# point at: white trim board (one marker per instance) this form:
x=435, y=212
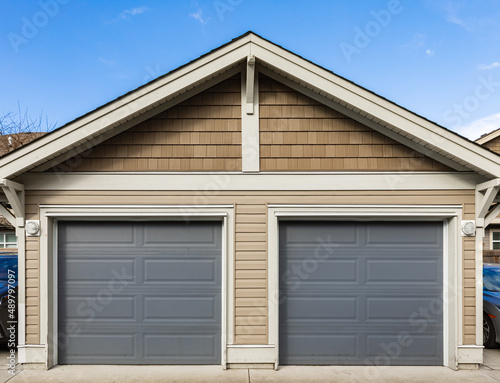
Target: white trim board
x=209, y=182
x=250, y=133
x=49, y=216
x=452, y=249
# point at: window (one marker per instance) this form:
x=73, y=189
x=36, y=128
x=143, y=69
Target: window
x=9, y=240
x=495, y=240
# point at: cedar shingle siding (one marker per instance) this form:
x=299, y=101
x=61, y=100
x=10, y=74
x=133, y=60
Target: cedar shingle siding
x=300, y=134
x=200, y=134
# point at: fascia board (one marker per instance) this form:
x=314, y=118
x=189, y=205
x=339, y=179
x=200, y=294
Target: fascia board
x=430, y=134
x=123, y=109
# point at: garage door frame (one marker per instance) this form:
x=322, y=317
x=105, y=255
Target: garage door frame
x=450, y=215
x=50, y=215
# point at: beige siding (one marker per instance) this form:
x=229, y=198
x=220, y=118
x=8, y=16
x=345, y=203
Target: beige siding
x=298, y=133
x=251, y=313
x=251, y=273
x=32, y=280
x=494, y=145
x=200, y=134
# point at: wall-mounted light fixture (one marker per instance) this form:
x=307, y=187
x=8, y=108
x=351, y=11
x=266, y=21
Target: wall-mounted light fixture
x=32, y=228
x=468, y=228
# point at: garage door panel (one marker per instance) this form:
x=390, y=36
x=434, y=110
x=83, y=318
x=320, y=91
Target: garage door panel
x=94, y=270
x=83, y=309
x=405, y=346
x=319, y=308
x=406, y=234
x=294, y=236
x=85, y=344
x=180, y=270
x=377, y=293
x=175, y=308
x=404, y=270
x=134, y=294
x=314, y=348
x=96, y=234
x=198, y=233
x=394, y=308
x=325, y=271
x=173, y=347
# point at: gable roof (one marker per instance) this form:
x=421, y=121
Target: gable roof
x=274, y=61
x=488, y=137
x=11, y=142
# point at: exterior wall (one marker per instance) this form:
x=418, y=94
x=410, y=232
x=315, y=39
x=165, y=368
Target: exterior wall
x=251, y=260
x=300, y=134
x=202, y=133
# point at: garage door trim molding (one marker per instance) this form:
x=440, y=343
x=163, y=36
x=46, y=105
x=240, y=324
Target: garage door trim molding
x=48, y=259
x=452, y=262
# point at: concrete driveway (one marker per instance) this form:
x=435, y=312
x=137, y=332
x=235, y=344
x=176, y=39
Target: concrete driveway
x=489, y=372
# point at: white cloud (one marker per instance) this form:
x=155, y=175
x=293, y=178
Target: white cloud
x=451, y=9
x=127, y=13
x=199, y=16
x=419, y=43
x=477, y=128
x=132, y=12
x=494, y=65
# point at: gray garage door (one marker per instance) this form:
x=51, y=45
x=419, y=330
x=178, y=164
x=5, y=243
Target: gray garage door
x=139, y=293
x=361, y=293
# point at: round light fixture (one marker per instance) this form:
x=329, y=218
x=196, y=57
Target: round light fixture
x=32, y=228
x=469, y=228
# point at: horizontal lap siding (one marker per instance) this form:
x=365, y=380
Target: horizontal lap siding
x=32, y=290
x=251, y=308
x=300, y=134
x=202, y=133
x=468, y=288
x=32, y=280
x=251, y=274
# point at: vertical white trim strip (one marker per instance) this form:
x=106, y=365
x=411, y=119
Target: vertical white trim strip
x=479, y=285
x=223, y=298
x=21, y=292
x=446, y=302
x=273, y=284
x=250, y=140
x=250, y=88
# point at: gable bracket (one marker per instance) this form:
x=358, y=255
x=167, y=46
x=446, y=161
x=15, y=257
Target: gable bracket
x=486, y=194
x=250, y=88
x=492, y=215
x=15, y=195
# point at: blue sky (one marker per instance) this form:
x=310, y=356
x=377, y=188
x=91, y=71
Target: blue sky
x=438, y=58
